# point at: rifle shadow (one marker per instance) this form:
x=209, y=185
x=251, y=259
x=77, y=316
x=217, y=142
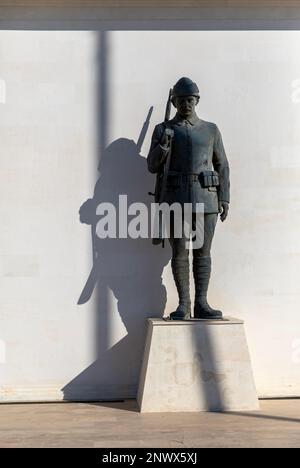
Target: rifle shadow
x=126, y=272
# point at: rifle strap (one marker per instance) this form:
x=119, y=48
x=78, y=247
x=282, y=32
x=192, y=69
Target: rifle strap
x=166, y=166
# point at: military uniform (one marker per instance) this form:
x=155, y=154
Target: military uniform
x=198, y=173
x=197, y=147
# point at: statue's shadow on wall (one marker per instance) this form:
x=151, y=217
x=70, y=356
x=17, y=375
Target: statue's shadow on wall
x=126, y=272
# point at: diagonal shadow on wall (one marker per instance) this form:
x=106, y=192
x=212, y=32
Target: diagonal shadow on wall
x=130, y=270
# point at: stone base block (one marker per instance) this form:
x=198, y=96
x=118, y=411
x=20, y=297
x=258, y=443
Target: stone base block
x=196, y=365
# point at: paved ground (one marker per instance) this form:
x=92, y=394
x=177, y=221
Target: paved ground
x=121, y=425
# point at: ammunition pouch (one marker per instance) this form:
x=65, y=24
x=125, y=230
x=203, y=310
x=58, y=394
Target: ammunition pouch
x=209, y=179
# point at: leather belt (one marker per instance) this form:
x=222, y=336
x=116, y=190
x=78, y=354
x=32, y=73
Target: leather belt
x=191, y=177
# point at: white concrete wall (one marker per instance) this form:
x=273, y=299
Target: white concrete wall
x=66, y=94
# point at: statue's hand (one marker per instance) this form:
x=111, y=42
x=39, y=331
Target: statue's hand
x=166, y=137
x=223, y=209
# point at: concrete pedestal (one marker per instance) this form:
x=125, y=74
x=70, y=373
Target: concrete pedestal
x=196, y=366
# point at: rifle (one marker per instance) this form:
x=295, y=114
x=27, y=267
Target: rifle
x=170, y=133
x=162, y=177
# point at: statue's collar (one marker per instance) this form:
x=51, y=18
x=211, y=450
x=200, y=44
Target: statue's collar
x=180, y=121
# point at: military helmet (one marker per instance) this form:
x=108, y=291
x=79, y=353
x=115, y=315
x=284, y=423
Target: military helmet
x=185, y=87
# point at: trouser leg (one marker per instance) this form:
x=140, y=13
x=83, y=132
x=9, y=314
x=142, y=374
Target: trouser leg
x=202, y=271
x=180, y=270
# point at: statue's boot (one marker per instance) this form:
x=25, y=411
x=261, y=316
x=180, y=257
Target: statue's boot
x=181, y=274
x=202, y=270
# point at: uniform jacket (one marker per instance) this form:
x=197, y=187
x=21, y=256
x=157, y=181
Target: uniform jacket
x=197, y=146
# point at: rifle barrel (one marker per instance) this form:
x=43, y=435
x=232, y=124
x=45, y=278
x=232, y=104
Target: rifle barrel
x=168, y=107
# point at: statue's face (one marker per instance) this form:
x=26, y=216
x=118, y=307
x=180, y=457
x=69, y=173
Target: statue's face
x=185, y=105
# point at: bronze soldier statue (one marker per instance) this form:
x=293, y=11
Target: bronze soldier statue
x=188, y=156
